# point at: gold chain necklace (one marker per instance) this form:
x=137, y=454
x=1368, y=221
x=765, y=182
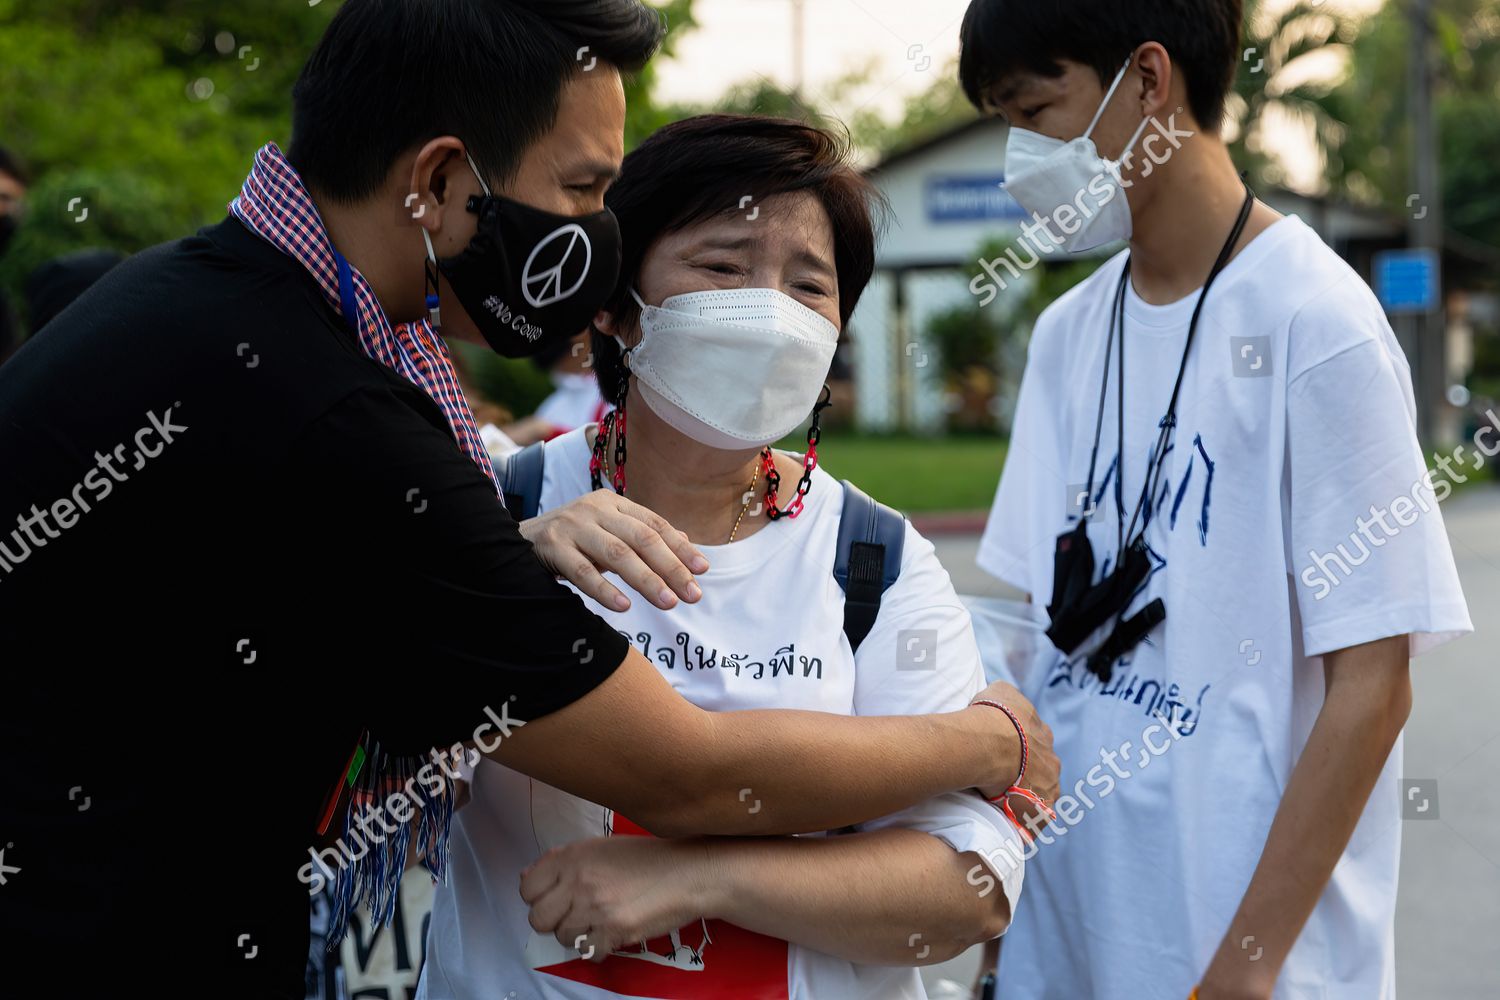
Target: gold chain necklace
x=749, y=496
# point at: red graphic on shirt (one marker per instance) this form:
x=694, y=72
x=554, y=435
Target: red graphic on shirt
x=709, y=959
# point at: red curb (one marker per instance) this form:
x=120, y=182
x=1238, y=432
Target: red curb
x=956, y=523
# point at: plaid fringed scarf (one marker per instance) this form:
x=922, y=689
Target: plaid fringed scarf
x=370, y=860
x=275, y=206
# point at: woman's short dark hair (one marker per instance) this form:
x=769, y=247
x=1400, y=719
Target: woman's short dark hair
x=703, y=167
x=392, y=74
x=1000, y=37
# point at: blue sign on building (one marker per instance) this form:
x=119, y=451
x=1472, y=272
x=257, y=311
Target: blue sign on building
x=1407, y=281
x=975, y=198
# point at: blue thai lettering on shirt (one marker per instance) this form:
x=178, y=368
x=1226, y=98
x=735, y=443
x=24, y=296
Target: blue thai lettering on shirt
x=1156, y=697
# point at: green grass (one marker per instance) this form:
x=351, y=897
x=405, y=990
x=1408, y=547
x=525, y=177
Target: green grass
x=960, y=473
x=912, y=474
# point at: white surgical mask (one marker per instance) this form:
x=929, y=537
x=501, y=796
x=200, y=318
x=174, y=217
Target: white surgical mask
x=1046, y=174
x=737, y=368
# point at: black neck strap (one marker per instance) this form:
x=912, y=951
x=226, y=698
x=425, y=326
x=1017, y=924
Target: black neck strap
x=1169, y=421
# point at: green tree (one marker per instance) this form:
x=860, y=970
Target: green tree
x=942, y=106
x=145, y=114
x=1370, y=102
x=148, y=111
x=642, y=114
x=1273, y=74
x=968, y=341
x=759, y=96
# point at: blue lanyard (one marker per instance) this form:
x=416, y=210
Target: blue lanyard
x=346, y=291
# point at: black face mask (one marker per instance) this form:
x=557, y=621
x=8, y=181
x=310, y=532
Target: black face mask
x=8, y=226
x=531, y=279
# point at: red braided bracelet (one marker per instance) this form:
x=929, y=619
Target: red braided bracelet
x=1016, y=788
x=1020, y=731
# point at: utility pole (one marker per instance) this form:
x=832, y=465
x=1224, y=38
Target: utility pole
x=1435, y=424
x=799, y=48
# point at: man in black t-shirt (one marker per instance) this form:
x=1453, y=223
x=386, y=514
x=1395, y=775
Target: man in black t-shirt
x=249, y=556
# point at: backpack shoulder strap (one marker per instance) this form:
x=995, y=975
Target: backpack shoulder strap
x=521, y=480
x=868, y=561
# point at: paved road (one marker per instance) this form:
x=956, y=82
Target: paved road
x=1448, y=911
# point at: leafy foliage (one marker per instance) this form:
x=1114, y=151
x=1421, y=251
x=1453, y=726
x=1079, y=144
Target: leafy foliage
x=149, y=111
x=1371, y=105
x=1274, y=74
x=932, y=111
x=967, y=337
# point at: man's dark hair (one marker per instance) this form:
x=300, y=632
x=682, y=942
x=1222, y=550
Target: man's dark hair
x=1000, y=37
x=10, y=165
x=392, y=74
x=699, y=168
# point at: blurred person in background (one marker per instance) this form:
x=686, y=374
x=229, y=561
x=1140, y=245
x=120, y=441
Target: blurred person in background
x=1205, y=432
x=575, y=400
x=13, y=184
x=57, y=284
x=493, y=420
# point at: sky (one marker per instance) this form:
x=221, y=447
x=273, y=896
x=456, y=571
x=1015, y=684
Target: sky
x=739, y=39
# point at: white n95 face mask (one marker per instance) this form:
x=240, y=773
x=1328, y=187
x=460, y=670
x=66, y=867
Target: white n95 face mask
x=737, y=368
x=1046, y=174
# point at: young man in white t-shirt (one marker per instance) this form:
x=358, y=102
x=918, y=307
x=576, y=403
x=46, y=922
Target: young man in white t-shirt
x=1237, y=617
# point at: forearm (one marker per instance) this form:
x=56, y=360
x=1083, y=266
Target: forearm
x=634, y=745
x=890, y=897
x=1329, y=787
x=810, y=772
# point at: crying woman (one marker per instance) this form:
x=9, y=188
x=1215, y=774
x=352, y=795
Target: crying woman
x=747, y=244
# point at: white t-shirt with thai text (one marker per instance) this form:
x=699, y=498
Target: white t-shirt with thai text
x=1296, y=418
x=767, y=633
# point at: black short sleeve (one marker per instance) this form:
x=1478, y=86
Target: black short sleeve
x=462, y=614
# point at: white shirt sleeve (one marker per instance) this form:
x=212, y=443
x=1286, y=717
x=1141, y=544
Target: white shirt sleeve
x=921, y=658
x=1032, y=491
x=1368, y=551
x=497, y=442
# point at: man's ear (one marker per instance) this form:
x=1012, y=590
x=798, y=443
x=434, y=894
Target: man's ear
x=609, y=324
x=437, y=185
x=1155, y=68
x=604, y=322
